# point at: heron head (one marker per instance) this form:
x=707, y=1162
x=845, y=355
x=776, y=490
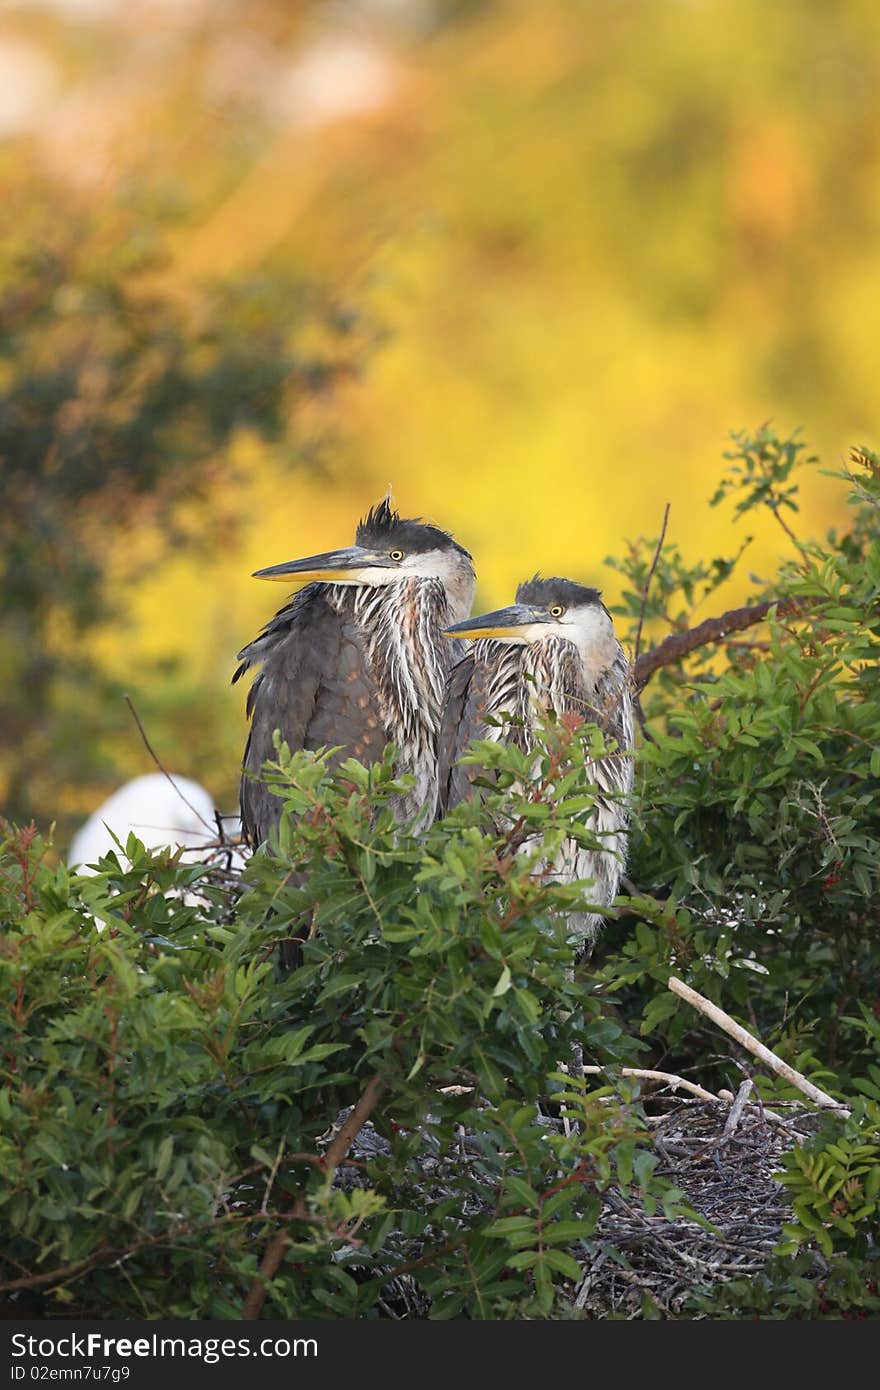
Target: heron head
x=388, y=549
x=545, y=609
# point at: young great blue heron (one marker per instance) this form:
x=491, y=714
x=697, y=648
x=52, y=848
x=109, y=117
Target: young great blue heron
x=552, y=650
x=358, y=658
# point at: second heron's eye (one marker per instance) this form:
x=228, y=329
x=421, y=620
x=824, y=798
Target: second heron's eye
x=557, y=610
x=396, y=554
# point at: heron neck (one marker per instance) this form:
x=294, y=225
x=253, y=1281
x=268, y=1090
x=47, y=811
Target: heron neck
x=550, y=675
x=402, y=630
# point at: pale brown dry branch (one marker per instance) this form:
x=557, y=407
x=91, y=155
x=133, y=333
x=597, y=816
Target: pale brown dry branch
x=668, y=1079
x=736, y=1110
x=745, y=1039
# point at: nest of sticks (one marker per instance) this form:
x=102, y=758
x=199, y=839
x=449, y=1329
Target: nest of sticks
x=723, y=1158
x=721, y=1151
x=722, y=1154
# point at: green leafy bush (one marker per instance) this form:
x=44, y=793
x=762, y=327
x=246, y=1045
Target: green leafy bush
x=170, y=1099
x=757, y=830
x=166, y=1088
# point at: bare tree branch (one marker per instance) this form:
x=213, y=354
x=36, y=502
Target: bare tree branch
x=650, y=576
x=164, y=771
x=679, y=644
x=669, y=1079
x=747, y=1040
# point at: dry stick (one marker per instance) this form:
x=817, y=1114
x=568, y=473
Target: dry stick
x=165, y=773
x=648, y=583
x=679, y=644
x=737, y=1109
x=746, y=1040
x=335, y=1153
x=670, y=1080
x=636, y=702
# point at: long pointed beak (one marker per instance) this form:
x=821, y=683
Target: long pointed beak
x=333, y=567
x=514, y=621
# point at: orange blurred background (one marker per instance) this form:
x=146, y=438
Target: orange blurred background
x=582, y=241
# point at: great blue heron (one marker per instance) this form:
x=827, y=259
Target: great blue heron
x=358, y=658
x=552, y=650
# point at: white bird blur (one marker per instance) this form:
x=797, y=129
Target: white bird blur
x=160, y=814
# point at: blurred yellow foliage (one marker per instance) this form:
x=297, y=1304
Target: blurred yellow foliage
x=595, y=237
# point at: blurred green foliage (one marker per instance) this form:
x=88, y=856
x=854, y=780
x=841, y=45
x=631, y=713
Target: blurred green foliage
x=117, y=405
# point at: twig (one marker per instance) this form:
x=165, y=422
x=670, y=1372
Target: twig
x=774, y=504
x=737, y=1109
x=679, y=644
x=165, y=773
x=272, y=1257
x=339, y=1147
x=669, y=1079
x=336, y=1152
x=272, y=1176
x=650, y=576
x=113, y=1254
x=746, y=1040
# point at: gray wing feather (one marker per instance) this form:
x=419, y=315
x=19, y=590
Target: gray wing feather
x=462, y=720
x=451, y=715
x=613, y=712
x=315, y=687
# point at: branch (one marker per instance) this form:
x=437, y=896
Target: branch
x=63, y=1272
x=737, y=1109
x=668, y=1079
x=338, y=1149
x=272, y=1257
x=109, y=1254
x=678, y=644
x=648, y=583
x=336, y=1152
x=164, y=771
x=746, y=1040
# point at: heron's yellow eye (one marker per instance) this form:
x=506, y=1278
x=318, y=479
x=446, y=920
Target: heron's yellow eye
x=557, y=610
x=396, y=554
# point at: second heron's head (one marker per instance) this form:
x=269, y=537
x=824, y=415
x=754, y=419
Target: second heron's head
x=546, y=609
x=388, y=549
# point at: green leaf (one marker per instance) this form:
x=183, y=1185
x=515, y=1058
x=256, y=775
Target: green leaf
x=503, y=985
x=564, y=1264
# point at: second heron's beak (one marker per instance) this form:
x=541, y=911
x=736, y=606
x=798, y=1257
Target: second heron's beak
x=349, y=566
x=508, y=624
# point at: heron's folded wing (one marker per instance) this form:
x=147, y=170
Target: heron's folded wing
x=314, y=687
x=612, y=708
x=463, y=719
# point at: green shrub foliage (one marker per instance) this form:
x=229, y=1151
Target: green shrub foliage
x=171, y=1099
x=167, y=1088
x=758, y=821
